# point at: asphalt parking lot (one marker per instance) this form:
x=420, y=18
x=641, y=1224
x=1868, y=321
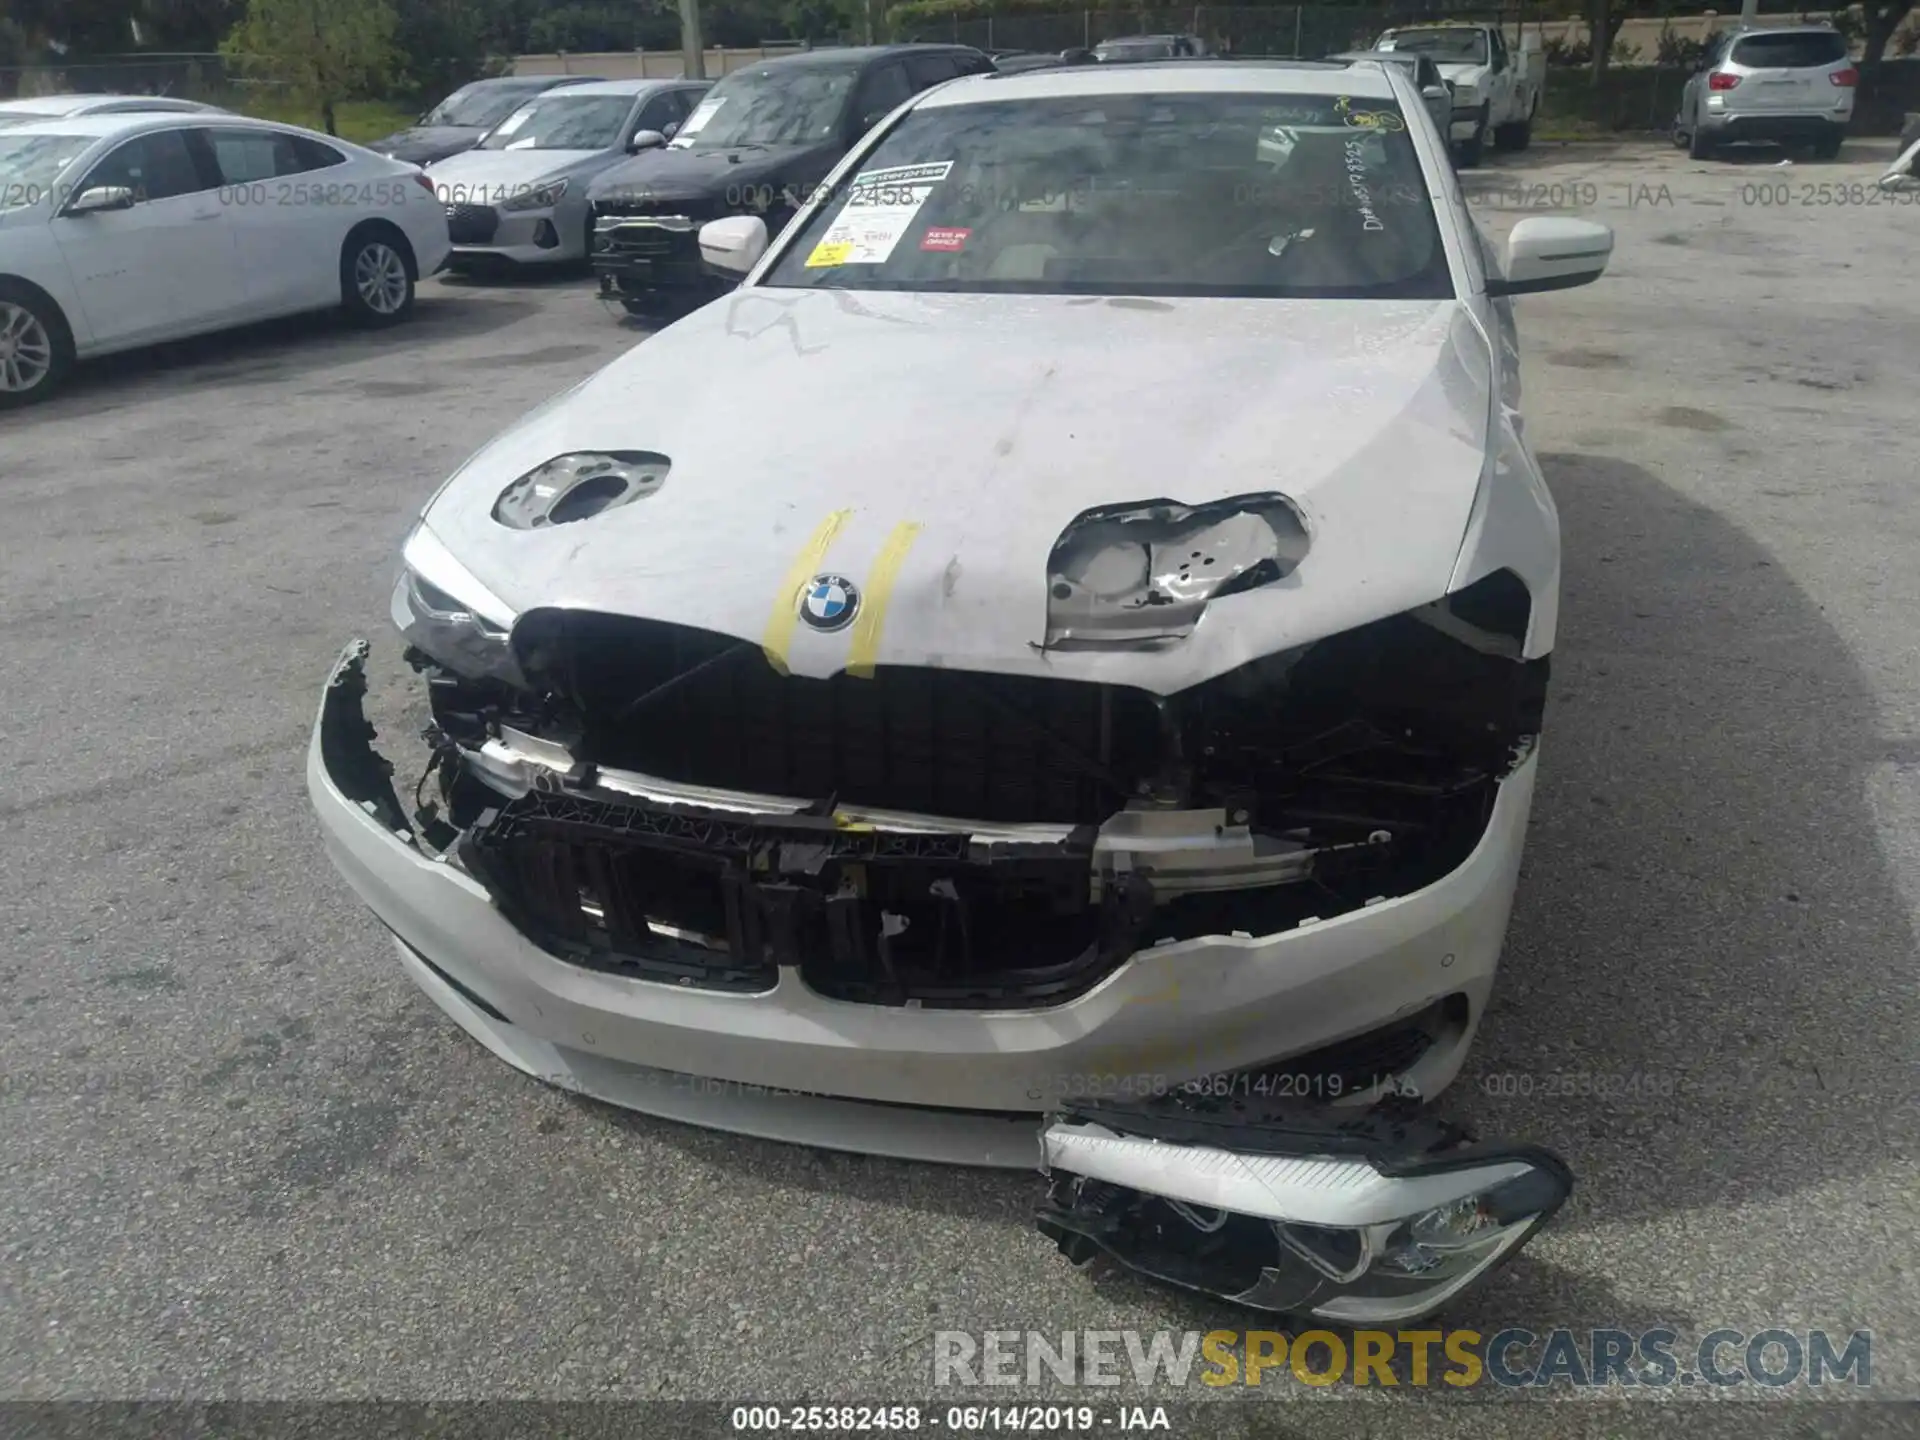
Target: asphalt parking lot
x=243, y=1158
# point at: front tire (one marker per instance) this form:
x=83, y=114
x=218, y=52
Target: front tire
x=376, y=277
x=1699, y=147
x=36, y=347
x=1473, y=149
x=1827, y=147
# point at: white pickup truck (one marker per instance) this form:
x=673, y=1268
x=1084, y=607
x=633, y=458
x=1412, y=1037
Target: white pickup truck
x=1496, y=90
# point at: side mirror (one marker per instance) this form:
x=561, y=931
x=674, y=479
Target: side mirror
x=733, y=244
x=645, y=140
x=1552, y=252
x=100, y=198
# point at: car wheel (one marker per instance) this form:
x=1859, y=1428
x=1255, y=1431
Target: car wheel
x=376, y=277
x=1679, y=135
x=1699, y=147
x=1471, y=150
x=1827, y=147
x=36, y=348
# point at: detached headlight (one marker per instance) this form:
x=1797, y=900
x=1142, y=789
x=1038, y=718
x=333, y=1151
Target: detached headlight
x=1293, y=1229
x=445, y=613
x=541, y=197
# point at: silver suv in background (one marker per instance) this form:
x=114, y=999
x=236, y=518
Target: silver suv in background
x=1794, y=84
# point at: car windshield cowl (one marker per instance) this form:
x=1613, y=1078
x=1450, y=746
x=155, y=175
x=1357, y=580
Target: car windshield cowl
x=1225, y=194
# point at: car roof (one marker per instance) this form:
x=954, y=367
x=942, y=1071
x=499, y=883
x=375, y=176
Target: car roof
x=532, y=82
x=624, y=87
x=855, y=56
x=1809, y=27
x=1153, y=77
x=133, y=122
x=66, y=104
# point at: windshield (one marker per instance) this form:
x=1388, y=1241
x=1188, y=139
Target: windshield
x=31, y=166
x=563, y=122
x=1791, y=50
x=477, y=109
x=1134, y=50
x=1460, y=46
x=1184, y=194
x=773, y=105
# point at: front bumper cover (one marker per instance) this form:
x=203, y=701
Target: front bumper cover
x=1269, y=1169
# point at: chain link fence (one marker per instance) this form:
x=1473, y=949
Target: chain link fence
x=188, y=77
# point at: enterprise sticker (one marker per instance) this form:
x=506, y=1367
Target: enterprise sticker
x=880, y=207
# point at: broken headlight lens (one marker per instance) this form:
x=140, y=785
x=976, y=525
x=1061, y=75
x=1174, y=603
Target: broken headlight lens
x=1140, y=574
x=448, y=615
x=1347, y=1239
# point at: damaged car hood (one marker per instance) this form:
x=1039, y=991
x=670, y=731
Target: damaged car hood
x=932, y=449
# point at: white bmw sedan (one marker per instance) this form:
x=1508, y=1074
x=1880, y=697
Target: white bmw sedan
x=122, y=230
x=1072, y=690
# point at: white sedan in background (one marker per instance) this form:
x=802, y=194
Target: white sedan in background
x=121, y=230
x=26, y=109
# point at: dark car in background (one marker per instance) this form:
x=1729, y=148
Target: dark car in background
x=458, y=122
x=758, y=144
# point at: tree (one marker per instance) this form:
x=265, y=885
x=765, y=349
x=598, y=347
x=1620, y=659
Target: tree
x=323, y=50
x=1878, y=20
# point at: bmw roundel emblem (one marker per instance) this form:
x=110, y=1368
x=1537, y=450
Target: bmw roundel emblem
x=830, y=602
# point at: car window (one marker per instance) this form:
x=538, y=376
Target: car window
x=245, y=156
x=312, y=155
x=155, y=166
x=778, y=104
x=1454, y=45
x=31, y=166
x=926, y=71
x=1174, y=194
x=660, y=113
x=478, y=108
x=558, y=120
x=881, y=91
x=1805, y=49
x=1498, y=42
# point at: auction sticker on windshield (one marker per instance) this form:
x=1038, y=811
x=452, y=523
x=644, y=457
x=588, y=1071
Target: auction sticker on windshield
x=697, y=121
x=880, y=207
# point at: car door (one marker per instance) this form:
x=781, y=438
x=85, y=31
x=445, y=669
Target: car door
x=167, y=264
x=1500, y=77
x=288, y=221
x=662, y=113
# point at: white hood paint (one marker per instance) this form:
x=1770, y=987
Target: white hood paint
x=992, y=422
